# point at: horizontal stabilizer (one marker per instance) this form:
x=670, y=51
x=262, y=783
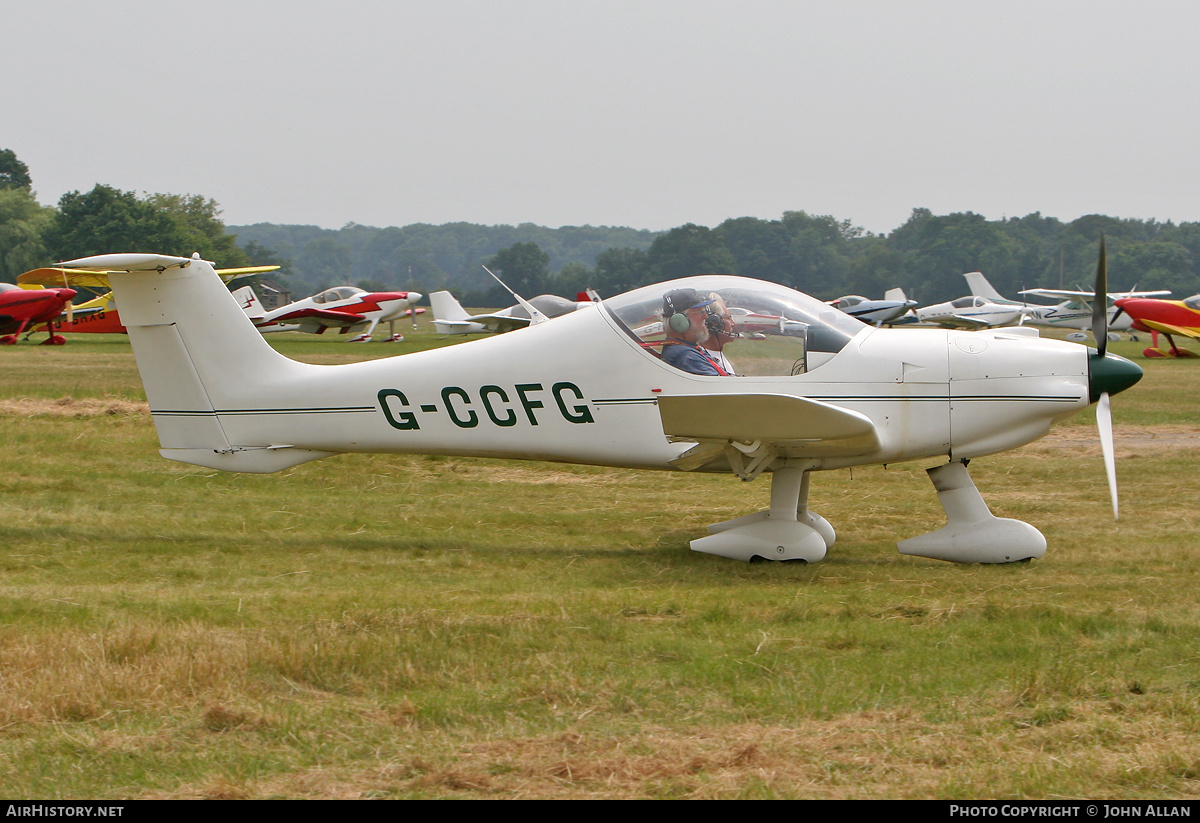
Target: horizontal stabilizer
x=776, y=418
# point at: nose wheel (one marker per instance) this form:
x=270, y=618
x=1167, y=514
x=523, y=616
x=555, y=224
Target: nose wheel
x=974, y=534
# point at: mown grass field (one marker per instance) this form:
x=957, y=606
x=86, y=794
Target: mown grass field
x=396, y=627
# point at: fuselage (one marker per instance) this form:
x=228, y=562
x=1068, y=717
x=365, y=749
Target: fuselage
x=370, y=307
x=969, y=312
x=1170, y=316
x=585, y=387
x=21, y=309
x=581, y=389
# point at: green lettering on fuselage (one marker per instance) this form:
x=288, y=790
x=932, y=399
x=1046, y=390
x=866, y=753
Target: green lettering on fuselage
x=458, y=404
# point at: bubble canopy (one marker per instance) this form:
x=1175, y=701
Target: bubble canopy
x=758, y=328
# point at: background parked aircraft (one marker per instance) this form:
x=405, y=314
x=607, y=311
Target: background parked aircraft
x=969, y=313
x=1169, y=317
x=22, y=309
x=449, y=317
x=99, y=315
x=1073, y=311
x=346, y=308
x=875, y=312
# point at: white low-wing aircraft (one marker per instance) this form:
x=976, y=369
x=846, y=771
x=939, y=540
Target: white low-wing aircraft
x=876, y=312
x=818, y=390
x=1073, y=311
x=347, y=308
x=449, y=317
x=969, y=312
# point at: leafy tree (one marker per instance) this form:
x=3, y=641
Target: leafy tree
x=1157, y=265
x=22, y=223
x=524, y=267
x=108, y=220
x=199, y=219
x=13, y=173
x=760, y=248
x=260, y=255
x=571, y=279
x=689, y=250
x=326, y=263
x=619, y=270
x=937, y=250
x=372, y=285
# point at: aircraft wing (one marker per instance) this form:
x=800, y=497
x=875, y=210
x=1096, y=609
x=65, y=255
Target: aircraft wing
x=794, y=426
x=1168, y=328
x=959, y=321
x=78, y=312
x=500, y=322
x=1061, y=294
x=322, y=317
x=97, y=280
x=71, y=278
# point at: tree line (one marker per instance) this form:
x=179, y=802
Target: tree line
x=819, y=254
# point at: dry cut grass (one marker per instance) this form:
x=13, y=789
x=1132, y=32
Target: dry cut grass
x=77, y=408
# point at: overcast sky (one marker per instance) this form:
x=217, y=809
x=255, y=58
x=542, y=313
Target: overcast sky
x=649, y=114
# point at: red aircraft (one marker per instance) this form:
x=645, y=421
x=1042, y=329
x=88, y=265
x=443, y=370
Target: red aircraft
x=22, y=309
x=98, y=315
x=1168, y=317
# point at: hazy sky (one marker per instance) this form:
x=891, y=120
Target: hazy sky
x=649, y=114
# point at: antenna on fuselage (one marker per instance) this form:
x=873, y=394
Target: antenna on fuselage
x=535, y=316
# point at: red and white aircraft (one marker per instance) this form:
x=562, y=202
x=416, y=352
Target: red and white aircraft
x=22, y=309
x=347, y=308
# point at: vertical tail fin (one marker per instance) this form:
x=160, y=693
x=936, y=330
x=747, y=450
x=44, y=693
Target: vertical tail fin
x=980, y=287
x=249, y=302
x=198, y=354
x=448, y=316
x=445, y=307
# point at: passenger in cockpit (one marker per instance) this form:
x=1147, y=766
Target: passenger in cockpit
x=720, y=332
x=685, y=315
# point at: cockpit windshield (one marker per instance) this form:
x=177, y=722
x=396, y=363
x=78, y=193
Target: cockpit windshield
x=740, y=326
x=337, y=293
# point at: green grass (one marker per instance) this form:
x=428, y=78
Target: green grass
x=403, y=626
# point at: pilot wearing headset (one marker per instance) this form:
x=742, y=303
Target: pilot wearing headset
x=689, y=319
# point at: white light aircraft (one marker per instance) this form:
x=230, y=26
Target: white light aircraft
x=969, y=313
x=347, y=308
x=1074, y=311
x=875, y=312
x=820, y=391
x=449, y=317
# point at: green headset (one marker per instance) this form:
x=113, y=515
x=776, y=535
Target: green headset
x=675, y=309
